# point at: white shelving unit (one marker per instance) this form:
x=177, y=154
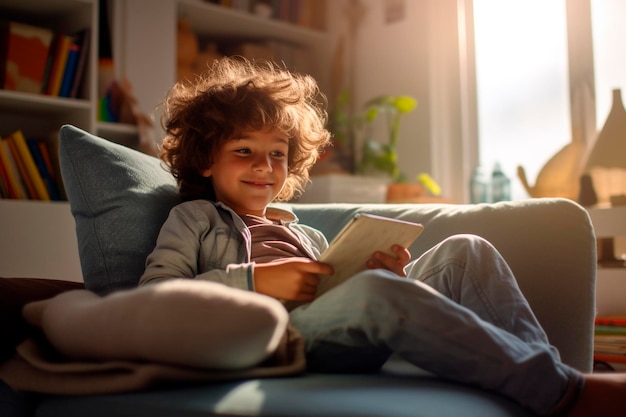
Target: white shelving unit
x=209, y=21
x=146, y=41
x=38, y=239
x=611, y=281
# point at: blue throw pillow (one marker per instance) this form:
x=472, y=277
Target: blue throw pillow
x=119, y=198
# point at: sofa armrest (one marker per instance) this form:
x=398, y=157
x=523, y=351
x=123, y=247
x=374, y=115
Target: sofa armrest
x=549, y=244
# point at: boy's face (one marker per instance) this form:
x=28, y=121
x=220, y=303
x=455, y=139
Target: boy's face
x=249, y=172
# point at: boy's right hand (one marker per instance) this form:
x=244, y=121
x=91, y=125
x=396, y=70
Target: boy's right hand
x=293, y=279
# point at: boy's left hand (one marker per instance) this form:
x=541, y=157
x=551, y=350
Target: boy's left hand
x=394, y=264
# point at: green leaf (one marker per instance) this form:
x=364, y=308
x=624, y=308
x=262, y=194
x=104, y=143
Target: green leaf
x=371, y=114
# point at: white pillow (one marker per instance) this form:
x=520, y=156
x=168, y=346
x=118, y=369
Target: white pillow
x=186, y=322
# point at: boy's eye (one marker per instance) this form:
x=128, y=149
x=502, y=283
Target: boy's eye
x=277, y=154
x=243, y=151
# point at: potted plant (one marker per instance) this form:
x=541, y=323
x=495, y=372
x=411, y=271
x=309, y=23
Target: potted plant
x=383, y=156
x=378, y=178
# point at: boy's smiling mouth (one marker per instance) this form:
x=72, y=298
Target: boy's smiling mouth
x=258, y=183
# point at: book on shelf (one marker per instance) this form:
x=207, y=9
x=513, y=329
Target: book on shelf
x=5, y=185
x=29, y=170
x=50, y=156
x=609, y=343
x=58, y=59
x=84, y=39
x=613, y=346
x=16, y=187
x=611, y=320
x=22, y=173
x=24, y=55
x=75, y=63
x=603, y=329
x=70, y=68
x=67, y=63
x=46, y=174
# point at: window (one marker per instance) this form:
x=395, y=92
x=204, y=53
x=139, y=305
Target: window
x=607, y=18
x=528, y=65
x=522, y=90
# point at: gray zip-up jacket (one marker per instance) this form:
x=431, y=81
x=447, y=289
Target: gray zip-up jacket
x=205, y=240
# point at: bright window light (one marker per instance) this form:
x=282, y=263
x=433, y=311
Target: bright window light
x=522, y=85
x=609, y=31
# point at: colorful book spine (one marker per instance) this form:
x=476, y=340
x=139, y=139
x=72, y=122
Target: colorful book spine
x=16, y=187
x=9, y=192
x=58, y=65
x=611, y=320
x=32, y=173
x=81, y=67
x=601, y=329
x=22, y=172
x=53, y=169
x=46, y=175
x=43, y=149
x=70, y=69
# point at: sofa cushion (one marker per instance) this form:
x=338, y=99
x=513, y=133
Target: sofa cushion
x=119, y=198
x=316, y=395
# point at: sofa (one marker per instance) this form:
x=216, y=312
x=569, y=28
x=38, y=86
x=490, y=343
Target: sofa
x=120, y=197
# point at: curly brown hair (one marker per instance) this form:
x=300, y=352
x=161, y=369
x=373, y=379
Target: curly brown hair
x=233, y=96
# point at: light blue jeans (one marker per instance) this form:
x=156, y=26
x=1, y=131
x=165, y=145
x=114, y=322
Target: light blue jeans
x=459, y=314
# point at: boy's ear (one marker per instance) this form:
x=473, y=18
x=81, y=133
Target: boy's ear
x=206, y=172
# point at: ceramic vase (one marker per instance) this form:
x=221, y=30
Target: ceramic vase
x=606, y=163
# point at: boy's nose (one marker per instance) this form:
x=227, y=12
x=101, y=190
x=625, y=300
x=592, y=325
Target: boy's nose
x=262, y=163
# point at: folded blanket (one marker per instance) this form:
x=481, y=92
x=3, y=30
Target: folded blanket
x=182, y=330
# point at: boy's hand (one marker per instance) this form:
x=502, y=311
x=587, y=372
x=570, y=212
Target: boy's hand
x=293, y=279
x=394, y=264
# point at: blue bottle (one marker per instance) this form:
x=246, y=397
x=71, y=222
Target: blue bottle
x=500, y=185
x=480, y=186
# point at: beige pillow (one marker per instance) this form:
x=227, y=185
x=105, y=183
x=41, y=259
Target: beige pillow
x=183, y=322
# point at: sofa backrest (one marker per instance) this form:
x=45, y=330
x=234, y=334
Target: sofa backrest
x=548, y=242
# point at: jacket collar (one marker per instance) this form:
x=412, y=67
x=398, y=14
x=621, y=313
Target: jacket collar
x=274, y=213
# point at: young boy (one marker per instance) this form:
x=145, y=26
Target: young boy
x=245, y=135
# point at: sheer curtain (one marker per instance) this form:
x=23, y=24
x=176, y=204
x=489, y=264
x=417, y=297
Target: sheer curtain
x=609, y=34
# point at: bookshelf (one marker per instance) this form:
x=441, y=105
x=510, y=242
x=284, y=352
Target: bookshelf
x=38, y=238
x=608, y=223
x=152, y=70
x=19, y=109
